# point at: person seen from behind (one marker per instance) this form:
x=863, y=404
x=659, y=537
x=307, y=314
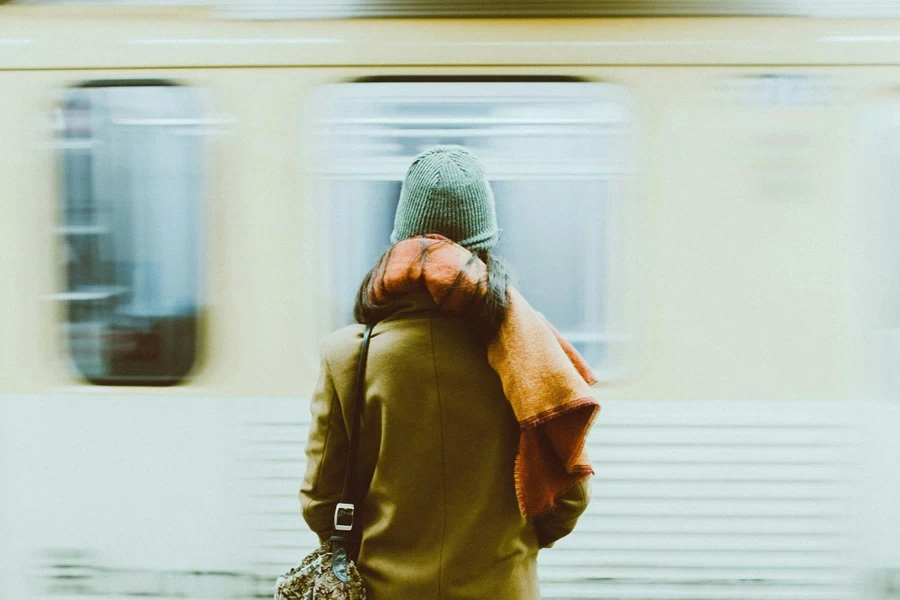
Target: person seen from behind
x=475, y=413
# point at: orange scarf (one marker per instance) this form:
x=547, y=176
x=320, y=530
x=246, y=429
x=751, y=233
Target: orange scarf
x=544, y=378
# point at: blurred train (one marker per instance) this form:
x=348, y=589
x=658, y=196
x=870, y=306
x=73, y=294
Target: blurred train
x=708, y=207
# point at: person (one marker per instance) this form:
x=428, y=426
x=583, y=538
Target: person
x=459, y=499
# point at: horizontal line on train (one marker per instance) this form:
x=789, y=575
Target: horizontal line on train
x=811, y=449
x=598, y=461
x=568, y=66
x=860, y=38
x=751, y=449
x=765, y=463
x=234, y=41
x=724, y=445
x=731, y=581
x=678, y=551
x=791, y=499
x=564, y=43
x=600, y=478
x=825, y=516
x=638, y=444
x=674, y=425
x=775, y=568
x=836, y=535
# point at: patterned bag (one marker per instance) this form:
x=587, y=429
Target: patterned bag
x=316, y=579
x=328, y=573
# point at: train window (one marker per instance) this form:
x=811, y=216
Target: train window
x=554, y=152
x=132, y=177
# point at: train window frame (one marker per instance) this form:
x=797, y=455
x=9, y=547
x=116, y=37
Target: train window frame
x=618, y=334
x=114, y=342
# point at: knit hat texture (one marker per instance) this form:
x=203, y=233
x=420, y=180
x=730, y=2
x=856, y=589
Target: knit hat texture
x=445, y=191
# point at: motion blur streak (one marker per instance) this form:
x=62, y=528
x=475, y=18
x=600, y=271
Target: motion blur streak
x=707, y=208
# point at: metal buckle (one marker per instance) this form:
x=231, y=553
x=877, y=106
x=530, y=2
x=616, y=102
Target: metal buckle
x=343, y=516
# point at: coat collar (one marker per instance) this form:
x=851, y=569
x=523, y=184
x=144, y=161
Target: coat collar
x=407, y=305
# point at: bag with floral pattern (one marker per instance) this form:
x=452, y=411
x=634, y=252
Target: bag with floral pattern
x=317, y=578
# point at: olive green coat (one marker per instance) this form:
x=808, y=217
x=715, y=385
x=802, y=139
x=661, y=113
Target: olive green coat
x=437, y=450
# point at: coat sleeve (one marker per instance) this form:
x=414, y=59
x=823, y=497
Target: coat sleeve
x=561, y=520
x=326, y=453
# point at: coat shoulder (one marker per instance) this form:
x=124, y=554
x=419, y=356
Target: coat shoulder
x=341, y=344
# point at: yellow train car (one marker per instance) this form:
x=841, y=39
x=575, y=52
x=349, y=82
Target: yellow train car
x=707, y=207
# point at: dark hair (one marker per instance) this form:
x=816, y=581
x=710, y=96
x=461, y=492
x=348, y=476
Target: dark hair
x=484, y=315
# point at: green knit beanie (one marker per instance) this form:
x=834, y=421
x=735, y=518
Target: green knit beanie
x=445, y=191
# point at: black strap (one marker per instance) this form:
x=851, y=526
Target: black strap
x=350, y=497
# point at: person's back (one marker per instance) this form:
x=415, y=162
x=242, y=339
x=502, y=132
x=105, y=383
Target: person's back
x=439, y=439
